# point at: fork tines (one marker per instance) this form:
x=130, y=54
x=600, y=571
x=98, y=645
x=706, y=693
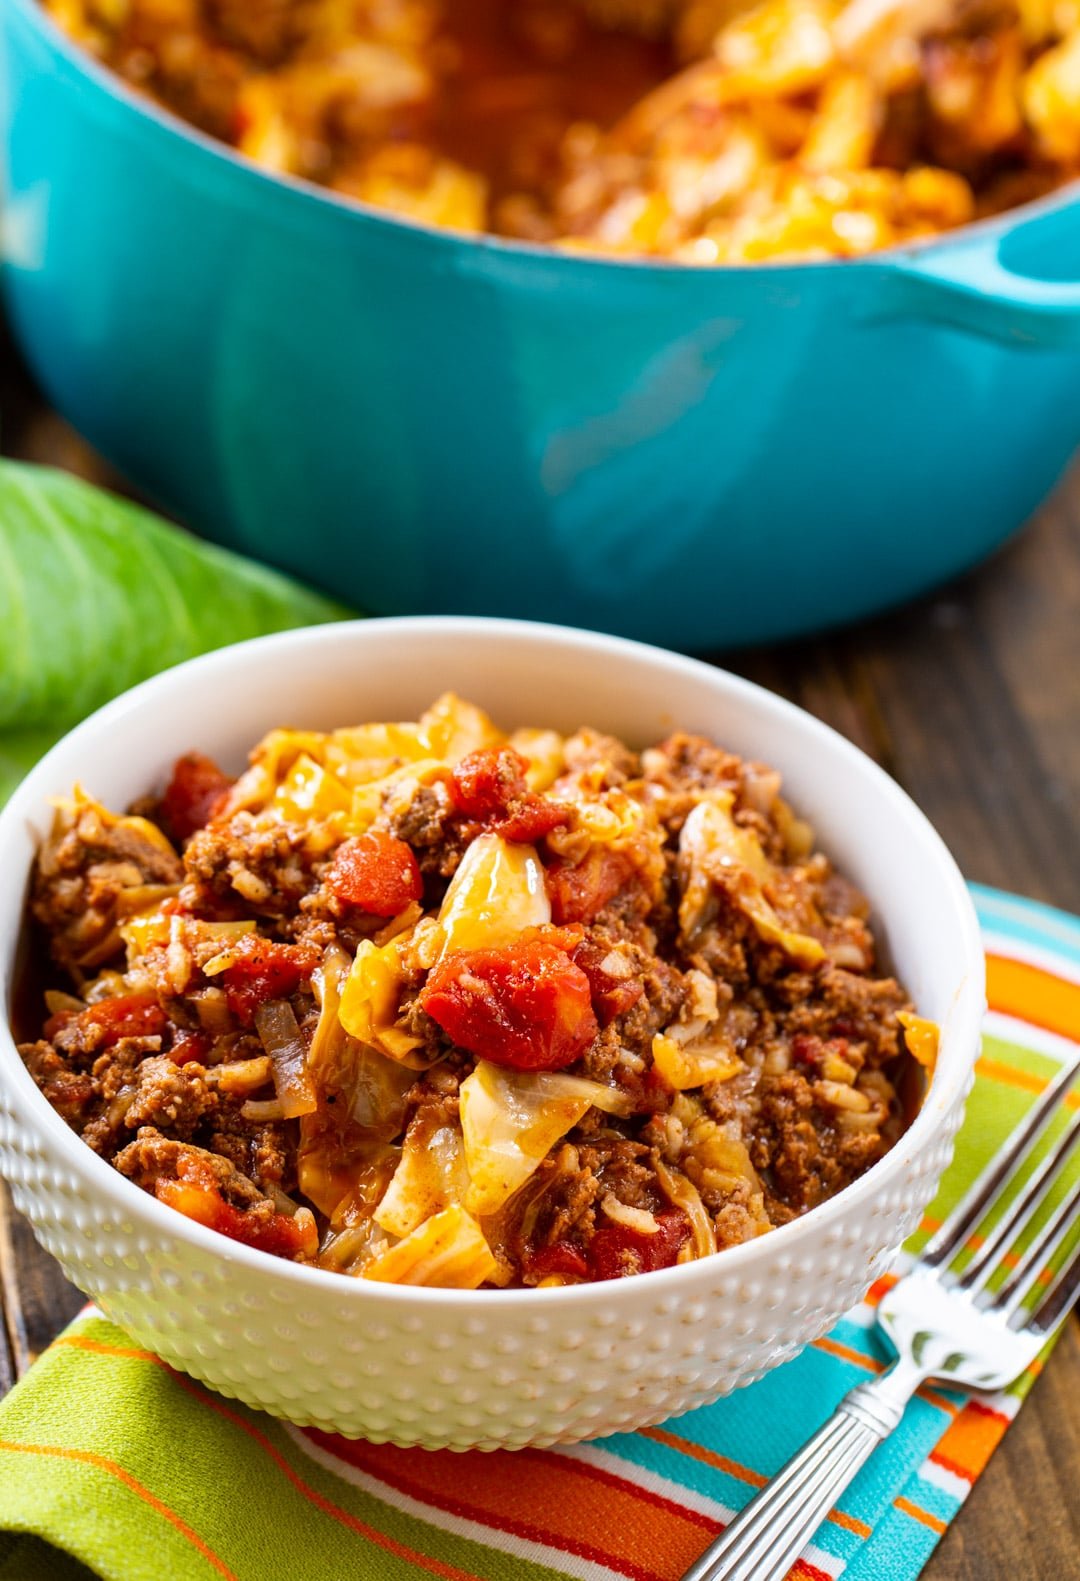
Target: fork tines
x=1064, y=1288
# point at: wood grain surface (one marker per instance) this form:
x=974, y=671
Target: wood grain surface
x=971, y=699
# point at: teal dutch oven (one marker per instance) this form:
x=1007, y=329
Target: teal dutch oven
x=421, y=421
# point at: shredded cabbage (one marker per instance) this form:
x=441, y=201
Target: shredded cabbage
x=716, y=851
x=80, y=802
x=682, y=1066
x=346, y=771
x=372, y=1085
x=497, y=892
x=147, y=925
x=713, y=1160
x=448, y=1251
x=511, y=1119
x=684, y=1194
x=309, y=791
x=431, y=1176
x=922, y=1038
x=336, y=1156
x=452, y=728
x=369, y=1001
x=543, y=751
x=353, y=1238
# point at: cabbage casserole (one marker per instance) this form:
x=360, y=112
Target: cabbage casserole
x=431, y=1004
x=705, y=131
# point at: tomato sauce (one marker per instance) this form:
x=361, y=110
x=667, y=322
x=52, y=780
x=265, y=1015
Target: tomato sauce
x=516, y=76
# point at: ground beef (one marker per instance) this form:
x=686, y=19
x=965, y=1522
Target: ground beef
x=588, y=748
x=660, y=1004
x=842, y=1004
x=264, y=1151
x=800, y=1147
x=414, y=1018
x=437, y=837
x=560, y=1207
x=432, y=1101
x=152, y=1157
x=82, y=874
x=625, y=1168
x=691, y=763
x=70, y=1091
x=170, y=1097
x=422, y=822
x=734, y=1220
x=246, y=866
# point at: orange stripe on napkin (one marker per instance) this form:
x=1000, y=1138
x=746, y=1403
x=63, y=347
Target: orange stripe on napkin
x=833, y=1347
x=1016, y=988
x=128, y=1352
x=880, y=1289
x=1026, y=1080
x=113, y=1469
x=708, y=1457
x=542, y=1497
x=732, y=1468
x=435, y=1567
x=971, y=1439
x=924, y=1516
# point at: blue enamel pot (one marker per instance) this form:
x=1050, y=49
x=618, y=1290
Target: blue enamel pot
x=420, y=421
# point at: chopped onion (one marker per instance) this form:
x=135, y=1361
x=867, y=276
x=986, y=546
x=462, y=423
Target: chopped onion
x=328, y=980
x=58, y=1004
x=281, y=1037
x=259, y=1109
x=638, y=1219
x=241, y=1075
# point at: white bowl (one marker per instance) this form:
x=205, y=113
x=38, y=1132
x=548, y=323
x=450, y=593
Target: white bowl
x=488, y=1368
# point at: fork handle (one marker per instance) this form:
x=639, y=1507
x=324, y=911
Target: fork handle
x=765, y=1539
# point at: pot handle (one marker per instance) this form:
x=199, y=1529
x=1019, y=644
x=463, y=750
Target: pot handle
x=971, y=287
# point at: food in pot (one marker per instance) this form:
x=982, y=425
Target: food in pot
x=707, y=131
x=428, y=1003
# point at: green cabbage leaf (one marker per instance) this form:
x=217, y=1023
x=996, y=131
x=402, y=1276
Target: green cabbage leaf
x=97, y=593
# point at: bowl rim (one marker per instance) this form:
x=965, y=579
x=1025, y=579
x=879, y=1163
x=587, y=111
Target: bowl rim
x=446, y=238
x=130, y=1201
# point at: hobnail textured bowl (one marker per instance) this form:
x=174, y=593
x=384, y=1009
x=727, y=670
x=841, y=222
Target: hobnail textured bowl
x=488, y=1369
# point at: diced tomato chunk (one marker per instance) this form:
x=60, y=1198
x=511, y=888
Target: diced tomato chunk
x=194, y=795
x=195, y=1194
x=376, y=872
x=580, y=893
x=808, y=1049
x=489, y=787
x=190, y=1047
x=126, y=1016
x=562, y=1259
x=616, y=1250
x=611, y=996
x=526, y=1006
x=264, y=969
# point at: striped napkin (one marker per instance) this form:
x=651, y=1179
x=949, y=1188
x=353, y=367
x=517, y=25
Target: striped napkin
x=109, y=1459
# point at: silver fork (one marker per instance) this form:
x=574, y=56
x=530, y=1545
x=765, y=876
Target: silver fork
x=942, y=1325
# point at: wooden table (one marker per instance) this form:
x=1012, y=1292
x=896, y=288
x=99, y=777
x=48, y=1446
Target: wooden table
x=971, y=699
